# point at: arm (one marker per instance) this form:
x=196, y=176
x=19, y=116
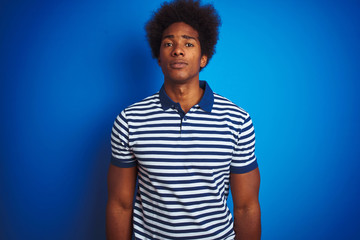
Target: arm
x=121, y=189
x=245, y=191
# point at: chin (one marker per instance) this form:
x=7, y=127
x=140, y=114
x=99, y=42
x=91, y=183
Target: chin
x=177, y=78
x=180, y=78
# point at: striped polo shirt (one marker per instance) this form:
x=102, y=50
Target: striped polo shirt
x=184, y=163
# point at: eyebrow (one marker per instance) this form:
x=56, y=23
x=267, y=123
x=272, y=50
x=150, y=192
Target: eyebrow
x=183, y=36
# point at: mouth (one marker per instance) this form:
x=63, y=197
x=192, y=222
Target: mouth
x=178, y=64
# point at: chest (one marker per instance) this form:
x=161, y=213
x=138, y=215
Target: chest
x=194, y=141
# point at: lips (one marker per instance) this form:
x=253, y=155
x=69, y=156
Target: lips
x=178, y=64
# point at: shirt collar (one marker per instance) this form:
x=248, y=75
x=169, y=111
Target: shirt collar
x=206, y=102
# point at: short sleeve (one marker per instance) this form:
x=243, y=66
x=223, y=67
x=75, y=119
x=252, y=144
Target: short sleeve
x=121, y=154
x=244, y=159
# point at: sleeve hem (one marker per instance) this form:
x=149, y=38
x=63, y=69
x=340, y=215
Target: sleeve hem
x=246, y=169
x=115, y=161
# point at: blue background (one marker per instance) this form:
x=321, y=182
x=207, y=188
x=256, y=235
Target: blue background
x=67, y=68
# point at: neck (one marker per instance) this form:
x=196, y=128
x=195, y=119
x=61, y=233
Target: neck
x=187, y=94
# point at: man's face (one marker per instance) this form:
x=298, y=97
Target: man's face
x=180, y=53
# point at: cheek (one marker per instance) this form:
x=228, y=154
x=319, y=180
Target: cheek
x=198, y=55
x=161, y=59
x=198, y=59
x=162, y=56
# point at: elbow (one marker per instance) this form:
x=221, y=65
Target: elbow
x=247, y=208
x=120, y=205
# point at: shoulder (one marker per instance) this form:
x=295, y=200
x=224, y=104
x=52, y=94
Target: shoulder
x=146, y=104
x=137, y=110
x=223, y=105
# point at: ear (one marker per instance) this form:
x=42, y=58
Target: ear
x=203, y=61
x=159, y=61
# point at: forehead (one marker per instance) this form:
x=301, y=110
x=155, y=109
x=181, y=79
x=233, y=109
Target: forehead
x=179, y=29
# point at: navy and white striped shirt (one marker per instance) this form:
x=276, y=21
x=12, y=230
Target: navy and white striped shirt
x=184, y=163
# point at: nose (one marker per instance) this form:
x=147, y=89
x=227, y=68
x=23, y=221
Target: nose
x=177, y=51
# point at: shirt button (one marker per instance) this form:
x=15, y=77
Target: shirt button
x=185, y=118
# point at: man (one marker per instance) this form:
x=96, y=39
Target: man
x=185, y=144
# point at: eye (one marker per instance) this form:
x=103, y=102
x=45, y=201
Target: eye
x=189, y=45
x=168, y=44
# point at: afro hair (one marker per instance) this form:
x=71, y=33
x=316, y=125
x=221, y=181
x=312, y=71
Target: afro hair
x=203, y=18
